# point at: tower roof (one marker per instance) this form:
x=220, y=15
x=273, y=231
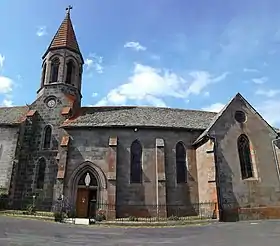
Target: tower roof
x=65, y=36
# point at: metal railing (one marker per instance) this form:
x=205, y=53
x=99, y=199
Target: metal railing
x=139, y=212
x=118, y=212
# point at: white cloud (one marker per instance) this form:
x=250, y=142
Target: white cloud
x=41, y=31
x=98, y=68
x=94, y=94
x=2, y=59
x=135, y=46
x=250, y=70
x=260, y=80
x=6, y=85
x=201, y=79
x=268, y=109
x=88, y=63
x=150, y=86
x=155, y=57
x=152, y=100
x=268, y=93
x=7, y=103
x=215, y=107
x=94, y=62
x=206, y=94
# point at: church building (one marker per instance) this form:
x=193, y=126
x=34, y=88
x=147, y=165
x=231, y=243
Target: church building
x=138, y=161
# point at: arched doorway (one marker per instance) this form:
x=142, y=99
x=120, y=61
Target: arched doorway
x=87, y=195
x=80, y=194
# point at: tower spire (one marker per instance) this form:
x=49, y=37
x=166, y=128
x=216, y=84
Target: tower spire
x=65, y=36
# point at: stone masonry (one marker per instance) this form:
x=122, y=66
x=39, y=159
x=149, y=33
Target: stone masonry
x=97, y=141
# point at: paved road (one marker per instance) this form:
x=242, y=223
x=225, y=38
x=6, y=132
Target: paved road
x=15, y=231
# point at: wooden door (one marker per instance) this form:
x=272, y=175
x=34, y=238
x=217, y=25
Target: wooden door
x=82, y=203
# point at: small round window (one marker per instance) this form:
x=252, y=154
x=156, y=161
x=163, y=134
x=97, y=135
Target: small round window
x=240, y=116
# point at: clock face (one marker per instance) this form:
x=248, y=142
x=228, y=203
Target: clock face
x=51, y=103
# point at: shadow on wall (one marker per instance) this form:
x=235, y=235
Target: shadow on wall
x=227, y=202
x=130, y=198
x=179, y=201
x=27, y=170
x=181, y=198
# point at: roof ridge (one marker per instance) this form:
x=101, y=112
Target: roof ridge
x=151, y=107
x=22, y=106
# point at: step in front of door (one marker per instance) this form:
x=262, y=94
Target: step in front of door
x=79, y=221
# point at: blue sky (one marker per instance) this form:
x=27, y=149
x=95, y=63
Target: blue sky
x=184, y=54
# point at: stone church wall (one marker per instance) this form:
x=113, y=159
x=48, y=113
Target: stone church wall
x=237, y=196
x=206, y=172
x=30, y=151
x=206, y=176
x=8, y=143
x=92, y=145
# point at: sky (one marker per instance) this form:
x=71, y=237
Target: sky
x=194, y=54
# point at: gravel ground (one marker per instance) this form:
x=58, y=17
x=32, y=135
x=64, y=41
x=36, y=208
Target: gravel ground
x=16, y=231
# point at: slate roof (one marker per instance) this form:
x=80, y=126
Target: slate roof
x=12, y=115
x=130, y=116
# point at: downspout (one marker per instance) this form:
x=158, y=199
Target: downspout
x=157, y=198
x=276, y=161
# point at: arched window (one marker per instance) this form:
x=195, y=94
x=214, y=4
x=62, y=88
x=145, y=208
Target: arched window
x=136, y=162
x=41, y=173
x=70, y=72
x=47, y=137
x=80, y=77
x=181, y=163
x=54, y=70
x=43, y=75
x=243, y=145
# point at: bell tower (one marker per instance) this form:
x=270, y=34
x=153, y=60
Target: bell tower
x=62, y=65
x=44, y=144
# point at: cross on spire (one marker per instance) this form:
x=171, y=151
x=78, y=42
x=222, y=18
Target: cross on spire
x=68, y=9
